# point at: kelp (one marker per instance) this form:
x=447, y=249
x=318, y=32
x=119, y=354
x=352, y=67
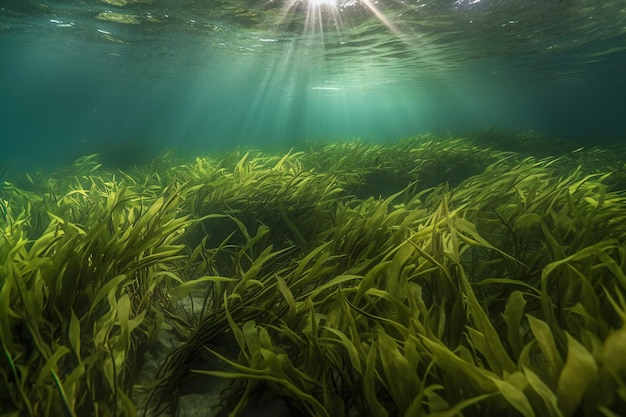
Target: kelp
x=428, y=277
x=79, y=302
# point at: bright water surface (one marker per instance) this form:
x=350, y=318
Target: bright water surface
x=131, y=77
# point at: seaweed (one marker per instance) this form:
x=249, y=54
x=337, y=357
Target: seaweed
x=431, y=276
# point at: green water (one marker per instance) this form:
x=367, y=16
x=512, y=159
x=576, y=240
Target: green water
x=136, y=77
x=194, y=193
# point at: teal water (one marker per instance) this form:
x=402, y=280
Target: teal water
x=133, y=77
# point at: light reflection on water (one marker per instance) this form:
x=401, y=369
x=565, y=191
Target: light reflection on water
x=229, y=72
x=413, y=38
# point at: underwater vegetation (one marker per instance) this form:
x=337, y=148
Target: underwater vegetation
x=427, y=277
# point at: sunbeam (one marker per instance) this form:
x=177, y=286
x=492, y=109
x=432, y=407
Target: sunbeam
x=317, y=13
x=381, y=16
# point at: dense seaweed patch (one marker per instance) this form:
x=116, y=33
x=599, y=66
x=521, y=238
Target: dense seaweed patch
x=434, y=277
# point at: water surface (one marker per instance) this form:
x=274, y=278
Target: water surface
x=140, y=75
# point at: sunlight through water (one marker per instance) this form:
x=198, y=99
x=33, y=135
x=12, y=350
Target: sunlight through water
x=220, y=73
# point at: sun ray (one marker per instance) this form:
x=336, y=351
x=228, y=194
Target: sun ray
x=381, y=16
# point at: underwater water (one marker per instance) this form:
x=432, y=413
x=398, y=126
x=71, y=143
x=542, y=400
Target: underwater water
x=138, y=76
x=323, y=208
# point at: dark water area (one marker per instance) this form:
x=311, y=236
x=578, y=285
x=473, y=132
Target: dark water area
x=131, y=78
